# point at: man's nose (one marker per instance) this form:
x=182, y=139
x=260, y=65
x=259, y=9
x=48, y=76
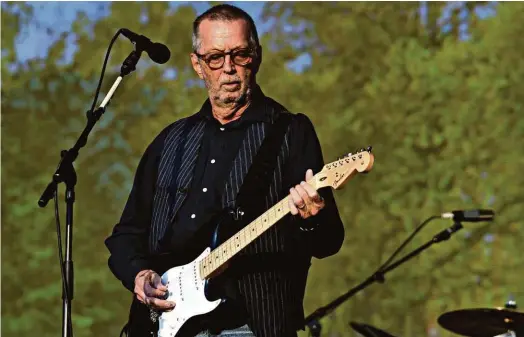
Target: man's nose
x=229, y=67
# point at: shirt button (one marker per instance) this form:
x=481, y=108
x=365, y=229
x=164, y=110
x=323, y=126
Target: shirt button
x=212, y=161
x=204, y=189
x=222, y=129
x=193, y=216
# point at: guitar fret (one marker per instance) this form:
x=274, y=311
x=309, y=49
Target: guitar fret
x=231, y=247
x=226, y=250
x=212, y=261
x=244, y=237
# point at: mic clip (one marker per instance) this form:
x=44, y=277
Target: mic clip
x=446, y=233
x=129, y=64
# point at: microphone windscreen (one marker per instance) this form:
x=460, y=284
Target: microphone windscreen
x=159, y=53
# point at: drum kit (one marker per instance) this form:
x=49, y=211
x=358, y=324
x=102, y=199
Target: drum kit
x=498, y=322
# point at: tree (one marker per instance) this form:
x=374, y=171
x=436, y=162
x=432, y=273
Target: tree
x=43, y=112
x=417, y=110
x=441, y=112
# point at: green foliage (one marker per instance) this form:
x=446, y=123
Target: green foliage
x=443, y=115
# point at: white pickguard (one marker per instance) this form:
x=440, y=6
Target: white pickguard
x=186, y=289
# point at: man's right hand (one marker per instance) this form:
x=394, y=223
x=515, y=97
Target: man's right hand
x=150, y=291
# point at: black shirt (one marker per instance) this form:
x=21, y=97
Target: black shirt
x=128, y=243
x=220, y=145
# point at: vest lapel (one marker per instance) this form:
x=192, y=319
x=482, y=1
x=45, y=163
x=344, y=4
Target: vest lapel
x=167, y=201
x=185, y=175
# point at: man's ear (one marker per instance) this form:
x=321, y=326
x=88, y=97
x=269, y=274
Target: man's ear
x=258, y=62
x=196, y=66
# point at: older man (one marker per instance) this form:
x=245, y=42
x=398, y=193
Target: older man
x=195, y=167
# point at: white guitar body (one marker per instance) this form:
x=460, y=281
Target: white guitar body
x=186, y=288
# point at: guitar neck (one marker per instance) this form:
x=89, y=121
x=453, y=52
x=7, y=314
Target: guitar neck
x=334, y=174
x=240, y=240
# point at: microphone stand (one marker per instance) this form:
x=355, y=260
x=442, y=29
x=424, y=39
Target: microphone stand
x=312, y=321
x=65, y=173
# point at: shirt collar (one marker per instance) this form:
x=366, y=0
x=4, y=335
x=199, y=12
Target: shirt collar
x=257, y=111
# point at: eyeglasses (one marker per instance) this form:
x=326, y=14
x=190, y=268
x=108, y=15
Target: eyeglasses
x=215, y=59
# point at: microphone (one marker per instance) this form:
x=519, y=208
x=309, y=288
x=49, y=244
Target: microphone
x=368, y=330
x=475, y=215
x=157, y=52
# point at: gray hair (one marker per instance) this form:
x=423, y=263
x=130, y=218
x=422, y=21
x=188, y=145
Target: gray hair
x=225, y=13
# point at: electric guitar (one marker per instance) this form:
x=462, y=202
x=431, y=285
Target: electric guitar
x=188, y=284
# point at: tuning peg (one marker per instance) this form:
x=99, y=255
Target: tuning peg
x=369, y=148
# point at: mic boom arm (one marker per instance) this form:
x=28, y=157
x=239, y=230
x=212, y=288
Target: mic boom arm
x=312, y=321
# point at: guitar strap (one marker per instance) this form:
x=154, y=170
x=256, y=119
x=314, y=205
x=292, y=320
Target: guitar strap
x=254, y=188
x=250, y=199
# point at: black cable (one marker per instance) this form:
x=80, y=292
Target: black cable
x=404, y=244
x=104, y=69
x=61, y=258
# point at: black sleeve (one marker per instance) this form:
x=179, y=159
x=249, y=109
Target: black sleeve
x=128, y=243
x=323, y=233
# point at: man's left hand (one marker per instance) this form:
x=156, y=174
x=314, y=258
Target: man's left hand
x=304, y=199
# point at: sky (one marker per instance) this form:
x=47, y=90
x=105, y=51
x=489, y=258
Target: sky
x=34, y=41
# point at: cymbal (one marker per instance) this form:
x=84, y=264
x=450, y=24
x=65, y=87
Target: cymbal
x=482, y=322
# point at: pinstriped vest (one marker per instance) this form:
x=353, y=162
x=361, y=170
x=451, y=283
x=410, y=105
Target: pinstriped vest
x=167, y=201
x=274, y=301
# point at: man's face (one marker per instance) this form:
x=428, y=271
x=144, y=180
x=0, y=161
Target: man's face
x=230, y=83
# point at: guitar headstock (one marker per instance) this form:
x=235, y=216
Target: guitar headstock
x=337, y=173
